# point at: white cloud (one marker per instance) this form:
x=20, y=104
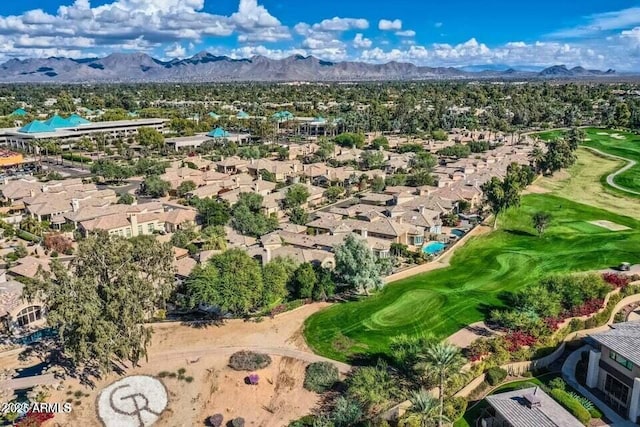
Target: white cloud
x=361, y=42
x=250, y=51
x=175, y=51
x=133, y=24
x=387, y=25
x=623, y=53
x=438, y=24
x=341, y=24
x=255, y=23
x=602, y=22
x=406, y=33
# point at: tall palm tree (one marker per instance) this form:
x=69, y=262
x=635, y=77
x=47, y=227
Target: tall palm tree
x=444, y=360
x=426, y=408
x=536, y=157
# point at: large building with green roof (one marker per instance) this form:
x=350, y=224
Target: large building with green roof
x=74, y=127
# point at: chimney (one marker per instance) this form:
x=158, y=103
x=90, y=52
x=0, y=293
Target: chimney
x=32, y=193
x=364, y=233
x=421, y=209
x=267, y=256
x=134, y=224
x=75, y=205
x=5, y=180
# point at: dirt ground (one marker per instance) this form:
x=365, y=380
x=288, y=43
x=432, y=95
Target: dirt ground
x=278, y=398
x=215, y=388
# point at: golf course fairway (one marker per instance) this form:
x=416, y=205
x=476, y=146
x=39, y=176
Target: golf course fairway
x=443, y=301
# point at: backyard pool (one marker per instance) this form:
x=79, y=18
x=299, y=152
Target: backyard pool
x=457, y=232
x=433, y=248
x=36, y=336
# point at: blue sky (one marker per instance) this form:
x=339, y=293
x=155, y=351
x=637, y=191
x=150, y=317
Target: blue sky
x=592, y=33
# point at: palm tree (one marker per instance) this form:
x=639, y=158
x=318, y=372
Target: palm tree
x=445, y=360
x=426, y=408
x=536, y=157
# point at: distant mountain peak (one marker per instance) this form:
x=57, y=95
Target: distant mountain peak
x=207, y=67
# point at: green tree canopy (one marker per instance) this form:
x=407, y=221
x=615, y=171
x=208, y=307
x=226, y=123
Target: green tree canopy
x=99, y=303
x=351, y=140
x=333, y=193
x=231, y=281
x=276, y=275
x=356, y=265
x=212, y=211
x=186, y=187
x=150, y=137
x=296, y=195
x=153, y=186
x=247, y=218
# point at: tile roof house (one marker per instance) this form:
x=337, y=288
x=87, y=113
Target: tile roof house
x=29, y=266
x=17, y=312
x=529, y=407
x=614, y=368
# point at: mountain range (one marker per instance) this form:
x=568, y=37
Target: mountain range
x=205, y=67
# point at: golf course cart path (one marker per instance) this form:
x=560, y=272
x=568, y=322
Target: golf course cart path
x=611, y=177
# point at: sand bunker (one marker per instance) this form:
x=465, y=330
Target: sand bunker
x=609, y=225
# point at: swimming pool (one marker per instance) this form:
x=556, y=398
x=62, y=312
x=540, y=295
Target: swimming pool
x=36, y=336
x=433, y=248
x=457, y=232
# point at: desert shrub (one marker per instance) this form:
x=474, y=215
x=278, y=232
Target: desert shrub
x=557, y=383
x=346, y=412
x=572, y=405
x=306, y=421
x=237, y=422
x=163, y=374
x=495, y=375
x=249, y=361
x=455, y=408
x=320, y=376
x=215, y=420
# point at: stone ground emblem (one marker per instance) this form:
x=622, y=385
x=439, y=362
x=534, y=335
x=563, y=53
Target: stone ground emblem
x=135, y=401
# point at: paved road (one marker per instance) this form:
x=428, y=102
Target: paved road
x=611, y=177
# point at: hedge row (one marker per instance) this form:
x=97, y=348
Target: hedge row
x=601, y=318
x=76, y=158
x=572, y=405
x=27, y=236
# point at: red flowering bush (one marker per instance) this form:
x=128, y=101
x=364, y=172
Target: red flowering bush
x=616, y=280
x=518, y=339
x=34, y=419
x=553, y=323
x=588, y=307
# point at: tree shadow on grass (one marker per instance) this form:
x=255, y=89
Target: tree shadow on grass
x=516, y=232
x=367, y=359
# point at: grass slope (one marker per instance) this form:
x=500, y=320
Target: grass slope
x=583, y=184
x=443, y=301
x=618, y=143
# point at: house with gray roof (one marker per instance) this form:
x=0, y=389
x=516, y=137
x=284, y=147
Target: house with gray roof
x=614, y=368
x=529, y=407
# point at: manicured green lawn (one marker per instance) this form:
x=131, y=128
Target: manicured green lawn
x=619, y=143
x=443, y=301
